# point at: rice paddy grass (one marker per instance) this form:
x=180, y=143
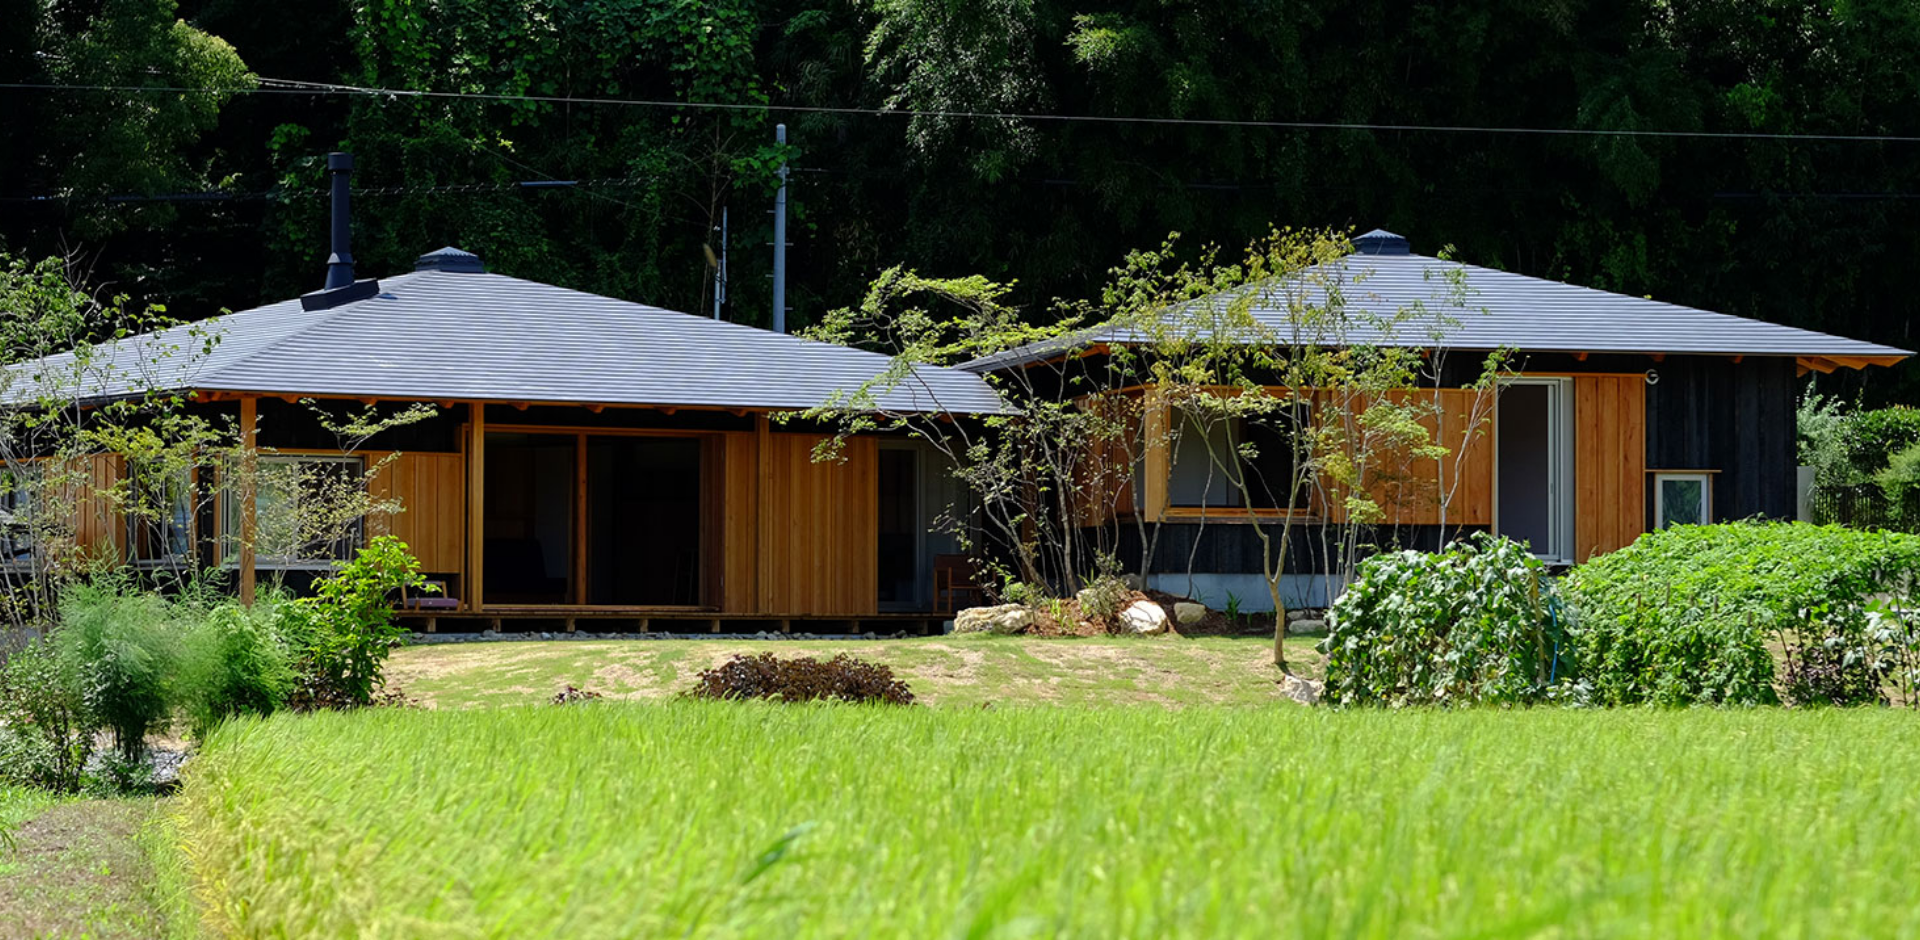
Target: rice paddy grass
x=692, y=819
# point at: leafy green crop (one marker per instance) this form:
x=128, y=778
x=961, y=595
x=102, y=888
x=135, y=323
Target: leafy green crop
x=1477, y=623
x=1701, y=614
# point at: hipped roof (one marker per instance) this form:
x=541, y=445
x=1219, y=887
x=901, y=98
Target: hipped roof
x=444, y=335
x=1491, y=309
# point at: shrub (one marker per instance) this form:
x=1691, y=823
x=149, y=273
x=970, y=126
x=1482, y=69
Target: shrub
x=235, y=663
x=842, y=678
x=344, y=632
x=1476, y=623
x=1104, y=597
x=125, y=649
x=46, y=730
x=1694, y=614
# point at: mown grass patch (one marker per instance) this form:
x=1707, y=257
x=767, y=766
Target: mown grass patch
x=732, y=820
x=963, y=671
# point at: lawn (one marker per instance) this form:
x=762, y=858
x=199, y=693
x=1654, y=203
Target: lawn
x=75, y=868
x=971, y=670
x=619, y=819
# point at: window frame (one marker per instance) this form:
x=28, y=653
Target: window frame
x=230, y=518
x=20, y=553
x=1562, y=471
x=1660, y=477
x=139, y=531
x=1235, y=435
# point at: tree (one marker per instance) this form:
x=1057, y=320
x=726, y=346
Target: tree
x=1185, y=351
x=87, y=389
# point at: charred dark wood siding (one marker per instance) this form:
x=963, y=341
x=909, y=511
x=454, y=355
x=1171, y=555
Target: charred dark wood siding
x=1709, y=413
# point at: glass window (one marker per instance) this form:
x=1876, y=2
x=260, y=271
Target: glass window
x=1264, y=448
x=309, y=511
x=17, y=516
x=160, y=525
x=1682, y=499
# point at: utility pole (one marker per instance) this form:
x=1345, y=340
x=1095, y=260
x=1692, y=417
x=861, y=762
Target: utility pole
x=780, y=240
x=720, y=268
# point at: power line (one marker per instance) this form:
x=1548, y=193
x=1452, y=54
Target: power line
x=586, y=186
x=271, y=86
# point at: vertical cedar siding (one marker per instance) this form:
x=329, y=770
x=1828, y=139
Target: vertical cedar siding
x=432, y=491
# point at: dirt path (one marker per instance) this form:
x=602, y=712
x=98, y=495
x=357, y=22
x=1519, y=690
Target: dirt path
x=78, y=871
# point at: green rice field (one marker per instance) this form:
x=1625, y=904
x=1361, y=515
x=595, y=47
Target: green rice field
x=686, y=819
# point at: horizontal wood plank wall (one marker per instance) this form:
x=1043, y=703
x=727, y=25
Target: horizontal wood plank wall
x=820, y=530
x=432, y=491
x=1610, y=462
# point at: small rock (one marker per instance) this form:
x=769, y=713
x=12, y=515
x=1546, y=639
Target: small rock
x=1188, y=612
x=1004, y=619
x=1304, y=691
x=1144, y=617
x=1307, y=628
x=546, y=636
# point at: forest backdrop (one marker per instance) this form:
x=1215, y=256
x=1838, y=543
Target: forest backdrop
x=226, y=212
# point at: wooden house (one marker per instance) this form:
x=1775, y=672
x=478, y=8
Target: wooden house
x=1620, y=414
x=586, y=457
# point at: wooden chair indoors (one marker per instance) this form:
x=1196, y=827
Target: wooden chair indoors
x=954, y=576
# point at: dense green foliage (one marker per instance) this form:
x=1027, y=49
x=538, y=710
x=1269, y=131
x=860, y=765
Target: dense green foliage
x=1477, y=623
x=1698, y=614
x=46, y=731
x=730, y=820
x=124, y=659
x=237, y=663
x=345, y=631
x=1804, y=232
x=124, y=647
x=1866, y=463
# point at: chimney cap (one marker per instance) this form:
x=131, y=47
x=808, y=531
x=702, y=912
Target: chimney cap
x=451, y=260
x=1382, y=242
x=338, y=160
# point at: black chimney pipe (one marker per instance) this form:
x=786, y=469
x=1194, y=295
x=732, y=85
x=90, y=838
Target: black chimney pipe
x=340, y=263
x=341, y=288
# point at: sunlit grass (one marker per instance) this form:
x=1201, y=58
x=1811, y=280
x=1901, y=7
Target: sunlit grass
x=943, y=671
x=723, y=820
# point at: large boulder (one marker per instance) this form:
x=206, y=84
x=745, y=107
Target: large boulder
x=1307, y=628
x=1143, y=616
x=1188, y=613
x=1004, y=619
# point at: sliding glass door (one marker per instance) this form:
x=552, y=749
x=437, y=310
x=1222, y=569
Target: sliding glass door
x=1534, y=465
x=644, y=544
x=576, y=518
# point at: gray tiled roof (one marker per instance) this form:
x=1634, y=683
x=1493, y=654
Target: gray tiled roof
x=434, y=334
x=1496, y=310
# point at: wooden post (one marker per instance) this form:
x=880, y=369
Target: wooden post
x=476, y=503
x=580, y=519
x=249, y=487
x=762, y=524
x=1159, y=466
